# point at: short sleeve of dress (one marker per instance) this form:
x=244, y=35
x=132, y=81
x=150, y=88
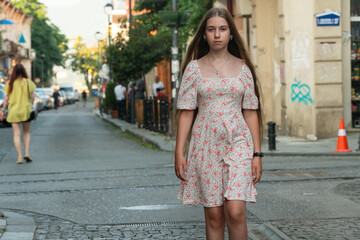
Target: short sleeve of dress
x=187, y=98
x=250, y=100
x=32, y=85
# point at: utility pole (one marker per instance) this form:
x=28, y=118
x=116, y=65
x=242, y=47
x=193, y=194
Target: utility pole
x=175, y=61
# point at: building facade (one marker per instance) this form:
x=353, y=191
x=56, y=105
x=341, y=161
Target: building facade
x=307, y=55
x=15, y=28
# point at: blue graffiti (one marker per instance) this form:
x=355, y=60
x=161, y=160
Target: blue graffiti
x=300, y=92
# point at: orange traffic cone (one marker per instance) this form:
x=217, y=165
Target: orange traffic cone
x=342, y=144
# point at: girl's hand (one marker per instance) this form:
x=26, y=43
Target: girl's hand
x=180, y=167
x=1, y=115
x=256, y=169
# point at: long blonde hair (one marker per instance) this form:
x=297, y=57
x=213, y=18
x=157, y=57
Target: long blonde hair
x=199, y=48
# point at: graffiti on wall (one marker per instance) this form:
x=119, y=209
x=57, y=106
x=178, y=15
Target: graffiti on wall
x=301, y=93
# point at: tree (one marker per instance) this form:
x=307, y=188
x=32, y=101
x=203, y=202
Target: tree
x=85, y=59
x=47, y=40
x=130, y=59
x=198, y=8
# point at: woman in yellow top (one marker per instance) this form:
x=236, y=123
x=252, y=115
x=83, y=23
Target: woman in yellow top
x=20, y=106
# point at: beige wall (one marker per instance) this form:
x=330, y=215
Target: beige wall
x=328, y=44
x=300, y=66
x=346, y=63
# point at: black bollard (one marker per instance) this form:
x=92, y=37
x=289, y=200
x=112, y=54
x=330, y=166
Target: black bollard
x=272, y=136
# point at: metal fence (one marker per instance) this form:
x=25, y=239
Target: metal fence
x=156, y=114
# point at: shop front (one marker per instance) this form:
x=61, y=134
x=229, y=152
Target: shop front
x=355, y=63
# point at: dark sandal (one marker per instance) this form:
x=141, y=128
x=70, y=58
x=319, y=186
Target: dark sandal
x=27, y=158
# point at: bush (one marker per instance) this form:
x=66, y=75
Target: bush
x=110, y=97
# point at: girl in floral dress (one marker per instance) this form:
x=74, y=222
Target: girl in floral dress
x=218, y=109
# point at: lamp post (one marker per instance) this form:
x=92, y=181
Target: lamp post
x=98, y=38
x=175, y=68
x=108, y=8
x=42, y=68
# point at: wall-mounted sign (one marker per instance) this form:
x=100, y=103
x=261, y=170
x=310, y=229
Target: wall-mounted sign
x=328, y=19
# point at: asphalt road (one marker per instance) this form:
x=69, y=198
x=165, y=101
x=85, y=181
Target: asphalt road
x=87, y=172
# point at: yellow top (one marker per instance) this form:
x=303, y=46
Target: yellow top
x=20, y=105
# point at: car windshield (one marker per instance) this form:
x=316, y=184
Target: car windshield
x=41, y=92
x=67, y=89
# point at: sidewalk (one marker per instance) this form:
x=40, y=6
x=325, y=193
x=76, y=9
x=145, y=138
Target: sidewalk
x=285, y=146
x=16, y=226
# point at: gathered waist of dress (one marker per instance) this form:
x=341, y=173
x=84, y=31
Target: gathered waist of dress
x=219, y=112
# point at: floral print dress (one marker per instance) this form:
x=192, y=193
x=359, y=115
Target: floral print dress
x=221, y=149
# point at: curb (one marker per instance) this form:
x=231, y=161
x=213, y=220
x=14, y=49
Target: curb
x=18, y=227
x=143, y=134
x=314, y=154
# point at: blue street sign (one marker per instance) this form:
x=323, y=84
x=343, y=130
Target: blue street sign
x=328, y=19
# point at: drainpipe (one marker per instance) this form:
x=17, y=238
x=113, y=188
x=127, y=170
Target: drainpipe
x=230, y=7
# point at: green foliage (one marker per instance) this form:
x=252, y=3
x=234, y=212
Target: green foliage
x=136, y=52
x=46, y=39
x=198, y=8
x=110, y=97
x=86, y=60
x=130, y=59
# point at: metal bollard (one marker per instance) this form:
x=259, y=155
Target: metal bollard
x=358, y=150
x=272, y=136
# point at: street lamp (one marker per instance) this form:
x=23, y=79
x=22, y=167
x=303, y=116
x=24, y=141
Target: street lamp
x=108, y=9
x=42, y=69
x=98, y=38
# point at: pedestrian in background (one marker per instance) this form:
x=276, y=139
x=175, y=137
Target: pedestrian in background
x=120, y=93
x=139, y=101
x=157, y=84
x=219, y=90
x=20, y=98
x=56, y=96
x=84, y=96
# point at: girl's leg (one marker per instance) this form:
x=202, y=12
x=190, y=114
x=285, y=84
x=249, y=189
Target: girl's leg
x=26, y=132
x=17, y=139
x=235, y=215
x=215, y=223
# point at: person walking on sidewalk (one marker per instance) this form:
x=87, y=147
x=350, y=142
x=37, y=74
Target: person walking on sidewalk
x=84, y=96
x=120, y=93
x=56, y=96
x=20, y=98
x=157, y=85
x=139, y=101
x=219, y=90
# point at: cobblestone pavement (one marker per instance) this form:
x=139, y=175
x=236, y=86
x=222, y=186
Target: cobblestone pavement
x=324, y=229
x=50, y=227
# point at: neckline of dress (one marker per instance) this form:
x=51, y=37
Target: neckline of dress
x=219, y=78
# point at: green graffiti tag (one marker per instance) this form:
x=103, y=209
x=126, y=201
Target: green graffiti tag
x=301, y=92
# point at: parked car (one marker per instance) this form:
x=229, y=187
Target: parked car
x=68, y=88
x=46, y=98
x=38, y=102
x=62, y=97
x=50, y=92
x=2, y=98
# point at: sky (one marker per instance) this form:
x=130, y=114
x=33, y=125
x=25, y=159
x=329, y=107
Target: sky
x=78, y=17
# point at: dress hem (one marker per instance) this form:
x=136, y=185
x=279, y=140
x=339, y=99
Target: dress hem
x=218, y=205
